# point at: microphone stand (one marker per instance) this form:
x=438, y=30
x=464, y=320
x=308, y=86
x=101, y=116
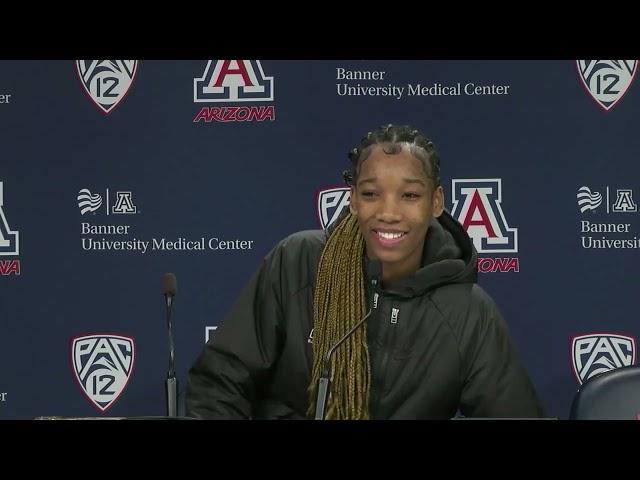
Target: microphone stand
x=171, y=383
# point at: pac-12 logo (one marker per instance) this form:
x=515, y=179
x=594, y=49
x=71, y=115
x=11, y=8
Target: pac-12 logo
x=600, y=352
x=330, y=204
x=607, y=81
x=106, y=81
x=102, y=365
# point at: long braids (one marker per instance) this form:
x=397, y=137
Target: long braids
x=339, y=302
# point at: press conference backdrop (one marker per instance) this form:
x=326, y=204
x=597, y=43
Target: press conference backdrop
x=114, y=172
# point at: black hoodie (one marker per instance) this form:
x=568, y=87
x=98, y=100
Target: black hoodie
x=437, y=342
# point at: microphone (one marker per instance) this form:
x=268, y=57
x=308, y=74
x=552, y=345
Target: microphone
x=374, y=272
x=169, y=289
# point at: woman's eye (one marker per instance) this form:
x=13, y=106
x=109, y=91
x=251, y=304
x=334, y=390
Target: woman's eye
x=412, y=195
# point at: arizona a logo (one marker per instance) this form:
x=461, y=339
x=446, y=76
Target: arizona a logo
x=477, y=206
x=233, y=81
x=8, y=238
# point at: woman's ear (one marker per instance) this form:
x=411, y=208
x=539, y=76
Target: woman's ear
x=437, y=201
x=352, y=202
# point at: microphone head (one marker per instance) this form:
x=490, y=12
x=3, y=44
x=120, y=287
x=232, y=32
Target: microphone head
x=374, y=271
x=169, y=286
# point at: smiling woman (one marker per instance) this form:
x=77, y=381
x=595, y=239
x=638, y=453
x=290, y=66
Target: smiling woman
x=434, y=342
x=394, y=199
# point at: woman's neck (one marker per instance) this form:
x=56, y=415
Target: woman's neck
x=393, y=273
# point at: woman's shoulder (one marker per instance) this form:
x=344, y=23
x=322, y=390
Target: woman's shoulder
x=463, y=297
x=300, y=247
x=305, y=240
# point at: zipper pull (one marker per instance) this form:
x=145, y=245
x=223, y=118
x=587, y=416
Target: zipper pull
x=394, y=315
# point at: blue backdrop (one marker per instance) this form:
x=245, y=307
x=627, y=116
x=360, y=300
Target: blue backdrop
x=113, y=172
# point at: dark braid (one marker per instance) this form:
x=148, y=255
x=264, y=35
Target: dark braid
x=392, y=136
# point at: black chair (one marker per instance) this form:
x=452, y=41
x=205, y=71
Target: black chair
x=613, y=395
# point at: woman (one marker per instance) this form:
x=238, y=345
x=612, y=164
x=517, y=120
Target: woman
x=434, y=344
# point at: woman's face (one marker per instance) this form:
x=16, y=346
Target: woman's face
x=394, y=201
